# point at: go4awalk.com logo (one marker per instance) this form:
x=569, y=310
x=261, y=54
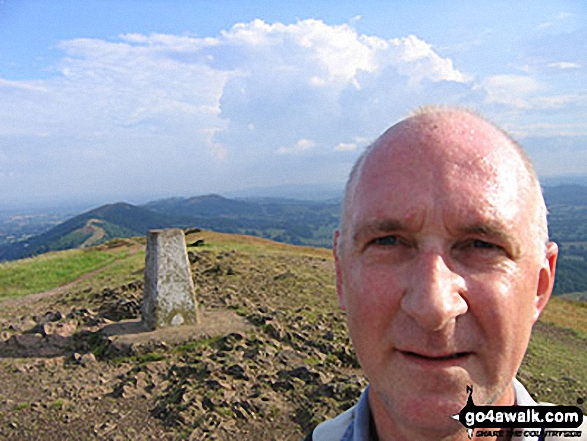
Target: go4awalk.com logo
x=535, y=420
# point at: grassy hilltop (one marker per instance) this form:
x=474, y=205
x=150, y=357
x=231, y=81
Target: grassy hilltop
x=270, y=359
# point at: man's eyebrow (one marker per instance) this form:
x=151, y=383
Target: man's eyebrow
x=497, y=231
x=487, y=230
x=371, y=228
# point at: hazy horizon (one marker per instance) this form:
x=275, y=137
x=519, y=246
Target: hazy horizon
x=305, y=192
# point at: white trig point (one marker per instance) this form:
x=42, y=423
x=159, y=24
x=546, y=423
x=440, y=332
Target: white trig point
x=168, y=298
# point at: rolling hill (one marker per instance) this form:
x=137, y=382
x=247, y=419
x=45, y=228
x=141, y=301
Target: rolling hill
x=115, y=220
x=298, y=222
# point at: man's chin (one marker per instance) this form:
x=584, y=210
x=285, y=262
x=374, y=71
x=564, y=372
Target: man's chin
x=424, y=413
x=433, y=409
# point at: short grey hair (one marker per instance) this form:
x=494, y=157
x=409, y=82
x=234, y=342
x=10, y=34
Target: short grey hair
x=540, y=222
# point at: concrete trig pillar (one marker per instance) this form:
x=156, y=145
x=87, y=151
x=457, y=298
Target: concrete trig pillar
x=169, y=297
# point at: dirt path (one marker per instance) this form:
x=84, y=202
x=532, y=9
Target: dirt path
x=97, y=233
x=14, y=302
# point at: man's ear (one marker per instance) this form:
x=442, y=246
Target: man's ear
x=339, y=287
x=546, y=279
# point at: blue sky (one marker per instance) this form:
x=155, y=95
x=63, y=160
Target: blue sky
x=135, y=100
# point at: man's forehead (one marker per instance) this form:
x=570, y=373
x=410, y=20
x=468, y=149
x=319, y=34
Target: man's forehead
x=445, y=136
x=446, y=142
x=448, y=156
x=409, y=198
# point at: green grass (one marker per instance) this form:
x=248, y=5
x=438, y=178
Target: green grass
x=51, y=270
x=554, y=366
x=566, y=313
x=140, y=359
x=194, y=345
x=57, y=404
x=219, y=242
x=126, y=270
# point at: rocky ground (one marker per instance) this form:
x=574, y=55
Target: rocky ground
x=269, y=359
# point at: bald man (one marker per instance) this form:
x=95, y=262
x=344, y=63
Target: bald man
x=443, y=265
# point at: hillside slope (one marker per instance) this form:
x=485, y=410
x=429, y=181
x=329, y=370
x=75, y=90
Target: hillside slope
x=270, y=359
x=116, y=220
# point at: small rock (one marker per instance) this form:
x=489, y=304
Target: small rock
x=51, y=316
x=65, y=329
x=26, y=341
x=286, y=275
x=87, y=359
x=208, y=404
x=40, y=328
x=217, y=384
x=193, y=257
x=275, y=330
x=236, y=371
x=53, y=362
x=216, y=270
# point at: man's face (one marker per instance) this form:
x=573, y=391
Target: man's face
x=439, y=270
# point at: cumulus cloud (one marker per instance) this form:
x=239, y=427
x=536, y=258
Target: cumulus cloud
x=147, y=111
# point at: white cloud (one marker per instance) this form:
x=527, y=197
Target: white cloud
x=561, y=101
x=421, y=62
x=547, y=129
x=217, y=149
x=564, y=15
x=511, y=90
x=561, y=16
x=31, y=86
x=253, y=71
x=147, y=111
x=345, y=147
x=565, y=65
x=300, y=146
x=525, y=68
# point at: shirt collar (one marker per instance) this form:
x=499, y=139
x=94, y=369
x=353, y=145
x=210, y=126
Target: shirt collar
x=359, y=429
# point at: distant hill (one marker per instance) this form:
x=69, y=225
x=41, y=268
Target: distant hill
x=286, y=220
x=566, y=194
x=296, y=222
x=208, y=205
x=308, y=192
x=567, y=219
x=115, y=220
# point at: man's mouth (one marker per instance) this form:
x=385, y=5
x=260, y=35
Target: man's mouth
x=447, y=357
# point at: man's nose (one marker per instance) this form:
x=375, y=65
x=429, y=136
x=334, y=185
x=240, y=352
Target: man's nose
x=435, y=295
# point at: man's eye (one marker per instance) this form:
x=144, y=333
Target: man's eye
x=385, y=240
x=478, y=243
